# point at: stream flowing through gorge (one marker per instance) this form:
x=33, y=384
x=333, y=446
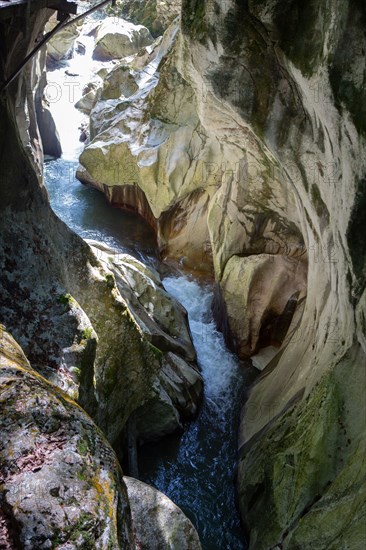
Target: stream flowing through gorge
x=195, y=469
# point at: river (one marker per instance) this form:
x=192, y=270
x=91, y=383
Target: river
x=195, y=469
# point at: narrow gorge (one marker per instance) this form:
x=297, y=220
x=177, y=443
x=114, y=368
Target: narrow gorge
x=183, y=269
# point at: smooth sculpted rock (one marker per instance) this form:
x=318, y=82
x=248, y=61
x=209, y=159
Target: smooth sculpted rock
x=157, y=522
x=60, y=482
x=253, y=132
x=176, y=391
x=270, y=286
x=117, y=38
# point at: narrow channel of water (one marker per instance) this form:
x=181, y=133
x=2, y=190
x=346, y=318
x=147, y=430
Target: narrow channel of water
x=195, y=469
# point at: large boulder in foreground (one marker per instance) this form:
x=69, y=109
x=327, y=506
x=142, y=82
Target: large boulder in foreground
x=157, y=521
x=60, y=481
x=117, y=38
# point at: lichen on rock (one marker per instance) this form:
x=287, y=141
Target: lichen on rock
x=61, y=483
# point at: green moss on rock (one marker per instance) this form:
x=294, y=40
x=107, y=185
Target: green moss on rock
x=297, y=480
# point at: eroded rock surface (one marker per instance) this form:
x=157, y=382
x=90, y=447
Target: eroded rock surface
x=58, y=300
x=156, y=15
x=250, y=142
x=177, y=389
x=61, y=484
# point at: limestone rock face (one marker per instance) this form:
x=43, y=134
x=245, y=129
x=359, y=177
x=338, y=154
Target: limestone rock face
x=309, y=468
x=270, y=286
x=46, y=125
x=117, y=38
x=250, y=142
x=157, y=521
x=175, y=393
x=61, y=484
x=151, y=140
x=58, y=300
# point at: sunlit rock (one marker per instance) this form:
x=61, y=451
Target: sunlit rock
x=256, y=109
x=117, y=38
x=61, y=45
x=156, y=15
x=157, y=521
x=177, y=389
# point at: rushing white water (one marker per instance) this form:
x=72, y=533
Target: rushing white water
x=219, y=367
x=64, y=89
x=195, y=469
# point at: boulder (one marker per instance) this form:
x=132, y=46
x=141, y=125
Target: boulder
x=87, y=101
x=61, y=44
x=117, y=38
x=155, y=14
x=161, y=318
x=119, y=83
x=61, y=484
x=157, y=521
x=183, y=383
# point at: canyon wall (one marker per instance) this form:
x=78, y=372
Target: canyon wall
x=78, y=331
x=249, y=147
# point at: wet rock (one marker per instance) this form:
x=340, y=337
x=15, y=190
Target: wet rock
x=263, y=162
x=183, y=383
x=70, y=73
x=80, y=48
x=157, y=521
